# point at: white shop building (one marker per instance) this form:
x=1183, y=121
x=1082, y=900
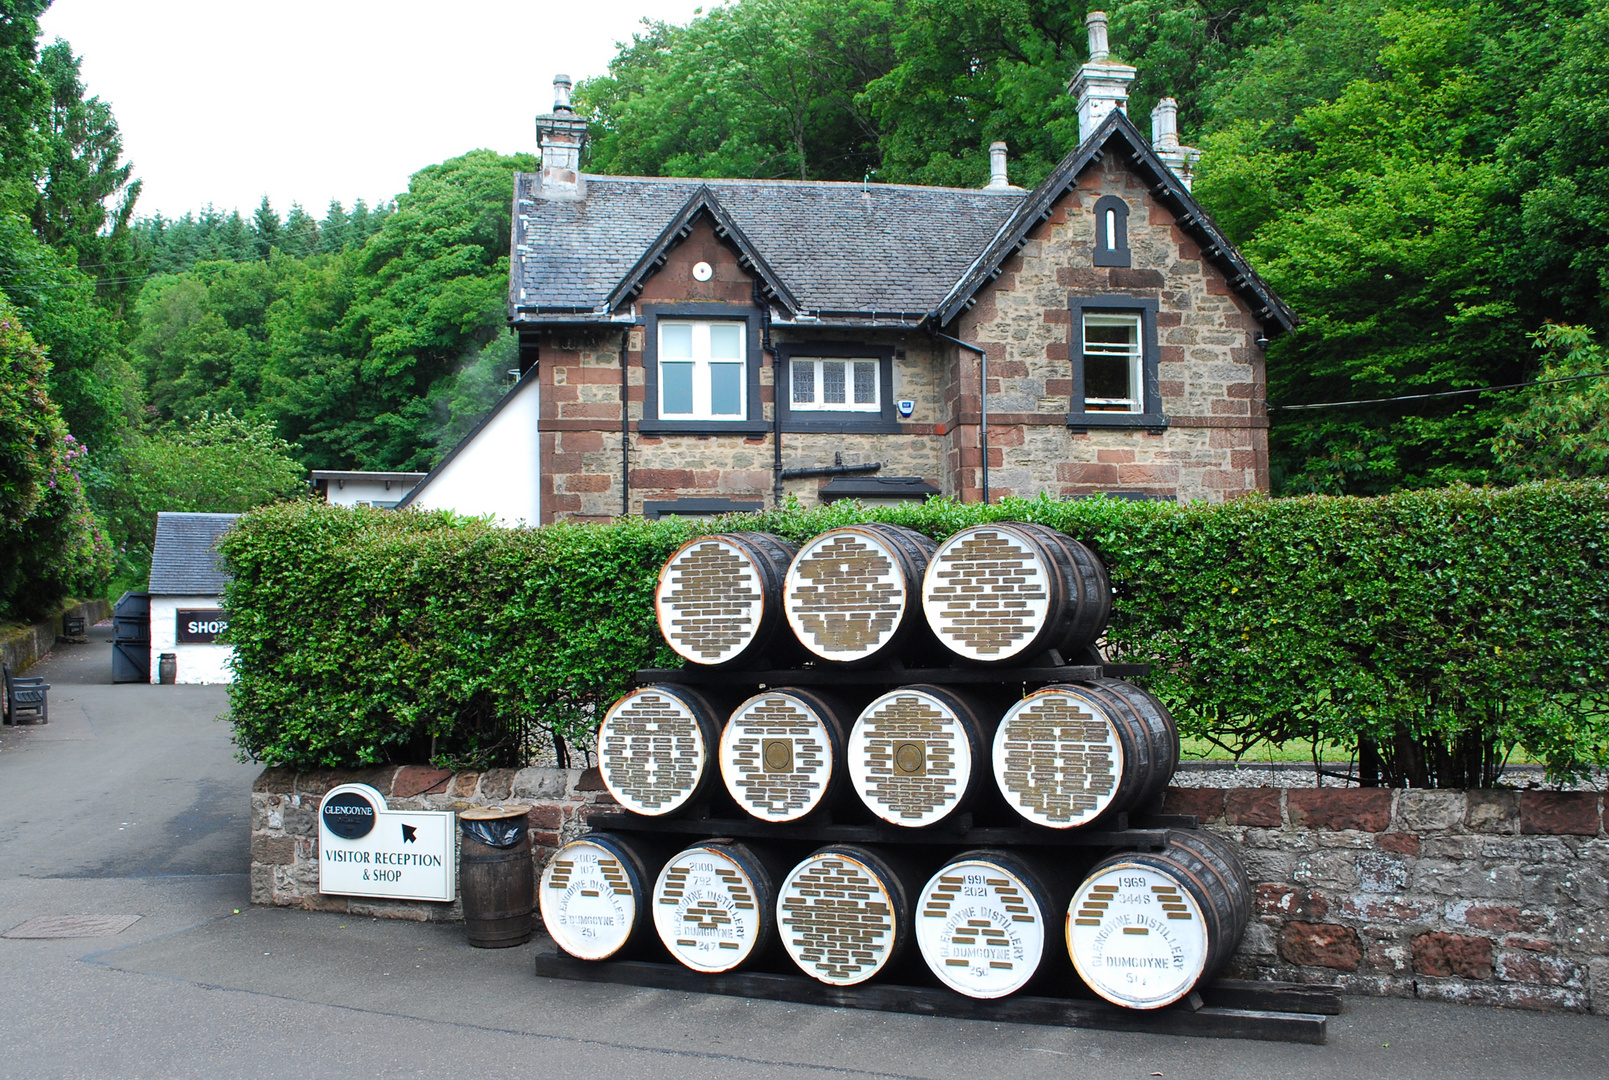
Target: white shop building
x=187, y=583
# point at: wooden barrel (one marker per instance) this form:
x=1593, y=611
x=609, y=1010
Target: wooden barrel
x=656, y=748
x=981, y=922
x=853, y=595
x=719, y=598
x=497, y=883
x=782, y=753
x=594, y=895
x=1006, y=593
x=1069, y=755
x=916, y=754
x=845, y=913
x=1146, y=926
x=715, y=904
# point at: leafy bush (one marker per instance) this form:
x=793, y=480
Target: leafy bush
x=50, y=544
x=1439, y=627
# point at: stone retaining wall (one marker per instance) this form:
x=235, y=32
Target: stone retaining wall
x=22, y=648
x=1490, y=897
x=1493, y=897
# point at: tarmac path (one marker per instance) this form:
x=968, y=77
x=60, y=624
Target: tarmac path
x=130, y=803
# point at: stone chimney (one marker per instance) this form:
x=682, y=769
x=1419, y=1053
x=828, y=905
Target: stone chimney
x=1100, y=85
x=998, y=180
x=1165, y=141
x=562, y=135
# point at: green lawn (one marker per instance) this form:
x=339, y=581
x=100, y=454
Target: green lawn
x=1333, y=755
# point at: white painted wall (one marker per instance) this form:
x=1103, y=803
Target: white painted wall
x=368, y=492
x=197, y=663
x=496, y=472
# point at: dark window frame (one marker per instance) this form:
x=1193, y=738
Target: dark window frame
x=1119, y=255
x=1152, y=418
x=832, y=421
x=651, y=424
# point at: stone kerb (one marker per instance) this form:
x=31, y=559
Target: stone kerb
x=284, y=824
x=1491, y=897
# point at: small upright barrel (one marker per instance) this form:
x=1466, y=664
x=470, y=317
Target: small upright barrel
x=594, y=894
x=715, y=904
x=917, y=754
x=782, y=753
x=853, y=595
x=1146, y=926
x=1005, y=593
x=845, y=913
x=719, y=598
x=981, y=922
x=656, y=748
x=496, y=879
x=1067, y=755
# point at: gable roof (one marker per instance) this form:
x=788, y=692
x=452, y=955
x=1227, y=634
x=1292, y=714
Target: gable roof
x=1165, y=187
x=184, y=559
x=700, y=204
x=826, y=249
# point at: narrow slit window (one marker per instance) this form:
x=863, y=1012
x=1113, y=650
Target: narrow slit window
x=1111, y=230
x=1113, y=373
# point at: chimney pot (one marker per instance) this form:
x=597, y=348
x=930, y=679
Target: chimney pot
x=562, y=135
x=1098, y=48
x=997, y=166
x=1165, y=125
x=1102, y=84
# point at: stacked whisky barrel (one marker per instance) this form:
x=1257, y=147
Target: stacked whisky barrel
x=915, y=766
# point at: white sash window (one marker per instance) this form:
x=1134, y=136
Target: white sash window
x=702, y=370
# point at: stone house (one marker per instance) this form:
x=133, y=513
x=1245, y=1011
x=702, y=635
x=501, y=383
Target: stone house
x=694, y=346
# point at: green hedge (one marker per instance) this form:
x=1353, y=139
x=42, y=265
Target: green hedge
x=1437, y=628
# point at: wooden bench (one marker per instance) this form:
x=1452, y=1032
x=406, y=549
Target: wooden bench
x=26, y=700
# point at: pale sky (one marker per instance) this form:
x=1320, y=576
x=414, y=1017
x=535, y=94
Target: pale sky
x=223, y=101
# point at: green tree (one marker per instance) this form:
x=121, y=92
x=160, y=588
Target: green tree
x=218, y=463
x=86, y=191
x=758, y=88
x=90, y=381
x=23, y=98
x=360, y=339
x=1379, y=215
x=1564, y=430
x=265, y=225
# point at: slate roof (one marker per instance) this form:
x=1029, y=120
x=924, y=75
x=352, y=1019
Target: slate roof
x=184, y=561
x=825, y=248
x=835, y=246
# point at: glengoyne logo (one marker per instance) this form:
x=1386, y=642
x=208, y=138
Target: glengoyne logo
x=349, y=815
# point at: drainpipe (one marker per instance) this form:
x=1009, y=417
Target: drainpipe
x=983, y=404
x=776, y=395
x=625, y=430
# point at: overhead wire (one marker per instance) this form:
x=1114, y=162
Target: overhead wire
x=1439, y=394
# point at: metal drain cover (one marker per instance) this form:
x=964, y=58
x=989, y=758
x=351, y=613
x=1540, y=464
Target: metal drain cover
x=72, y=926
